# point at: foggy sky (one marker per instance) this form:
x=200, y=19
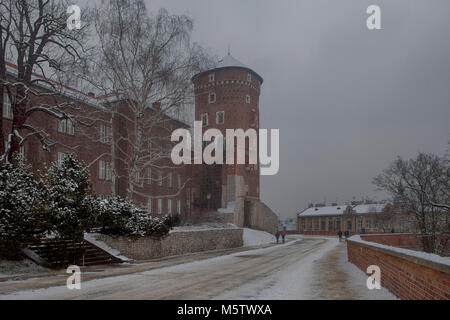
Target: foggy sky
x=347, y=100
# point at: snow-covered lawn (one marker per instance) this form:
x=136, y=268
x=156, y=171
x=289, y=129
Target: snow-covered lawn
x=15, y=268
x=256, y=237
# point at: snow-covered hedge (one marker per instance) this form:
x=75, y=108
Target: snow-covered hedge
x=62, y=203
x=68, y=198
x=122, y=217
x=21, y=212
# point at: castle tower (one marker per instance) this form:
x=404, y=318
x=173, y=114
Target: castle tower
x=227, y=97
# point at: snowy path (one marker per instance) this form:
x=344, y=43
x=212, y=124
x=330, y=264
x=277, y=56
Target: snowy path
x=309, y=269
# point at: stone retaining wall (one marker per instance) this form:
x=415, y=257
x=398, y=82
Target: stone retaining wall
x=176, y=243
x=259, y=216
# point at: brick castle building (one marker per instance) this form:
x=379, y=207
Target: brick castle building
x=226, y=97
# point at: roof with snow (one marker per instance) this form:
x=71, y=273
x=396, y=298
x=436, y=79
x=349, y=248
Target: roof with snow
x=230, y=62
x=339, y=210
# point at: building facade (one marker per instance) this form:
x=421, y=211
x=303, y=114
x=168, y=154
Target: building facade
x=357, y=219
x=102, y=139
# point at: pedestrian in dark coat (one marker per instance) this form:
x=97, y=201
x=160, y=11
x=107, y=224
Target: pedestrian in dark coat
x=277, y=235
x=340, y=235
x=347, y=234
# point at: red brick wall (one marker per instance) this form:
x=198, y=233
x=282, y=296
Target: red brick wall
x=408, y=277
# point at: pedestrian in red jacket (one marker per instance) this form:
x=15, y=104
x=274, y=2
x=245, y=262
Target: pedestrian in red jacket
x=283, y=234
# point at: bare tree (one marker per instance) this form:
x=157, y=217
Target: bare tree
x=422, y=186
x=143, y=69
x=35, y=38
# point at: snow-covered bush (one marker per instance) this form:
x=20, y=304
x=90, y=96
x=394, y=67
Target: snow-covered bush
x=21, y=214
x=67, y=192
x=122, y=217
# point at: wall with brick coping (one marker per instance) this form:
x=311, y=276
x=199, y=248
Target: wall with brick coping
x=399, y=240
x=176, y=243
x=404, y=272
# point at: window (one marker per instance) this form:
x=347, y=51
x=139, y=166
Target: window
x=150, y=205
x=169, y=206
x=310, y=224
x=108, y=171
x=211, y=77
x=330, y=225
x=247, y=98
x=179, y=181
x=359, y=224
x=322, y=225
x=249, y=77
x=66, y=126
x=316, y=225
x=160, y=178
x=220, y=117
x=303, y=224
x=367, y=224
x=160, y=206
x=101, y=170
x=349, y=225
x=61, y=156
x=149, y=176
x=7, y=108
x=105, y=133
x=204, y=119
x=137, y=176
x=212, y=97
x=169, y=180
x=179, y=206
x=22, y=152
x=104, y=170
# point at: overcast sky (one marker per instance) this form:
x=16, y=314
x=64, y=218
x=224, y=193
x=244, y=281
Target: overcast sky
x=347, y=100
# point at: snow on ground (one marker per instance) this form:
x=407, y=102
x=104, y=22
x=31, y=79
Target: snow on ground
x=357, y=280
x=12, y=268
x=300, y=280
x=256, y=237
x=292, y=282
x=228, y=209
x=190, y=267
x=204, y=227
x=92, y=238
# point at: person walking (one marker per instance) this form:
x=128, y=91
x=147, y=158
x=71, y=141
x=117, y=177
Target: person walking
x=283, y=235
x=347, y=235
x=277, y=235
x=340, y=235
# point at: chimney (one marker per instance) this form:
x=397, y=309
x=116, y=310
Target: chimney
x=157, y=105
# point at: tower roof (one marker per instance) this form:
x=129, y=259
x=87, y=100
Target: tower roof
x=230, y=62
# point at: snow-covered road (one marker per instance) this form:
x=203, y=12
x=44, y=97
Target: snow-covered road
x=312, y=268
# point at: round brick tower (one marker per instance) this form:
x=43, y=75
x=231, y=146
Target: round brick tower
x=227, y=97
